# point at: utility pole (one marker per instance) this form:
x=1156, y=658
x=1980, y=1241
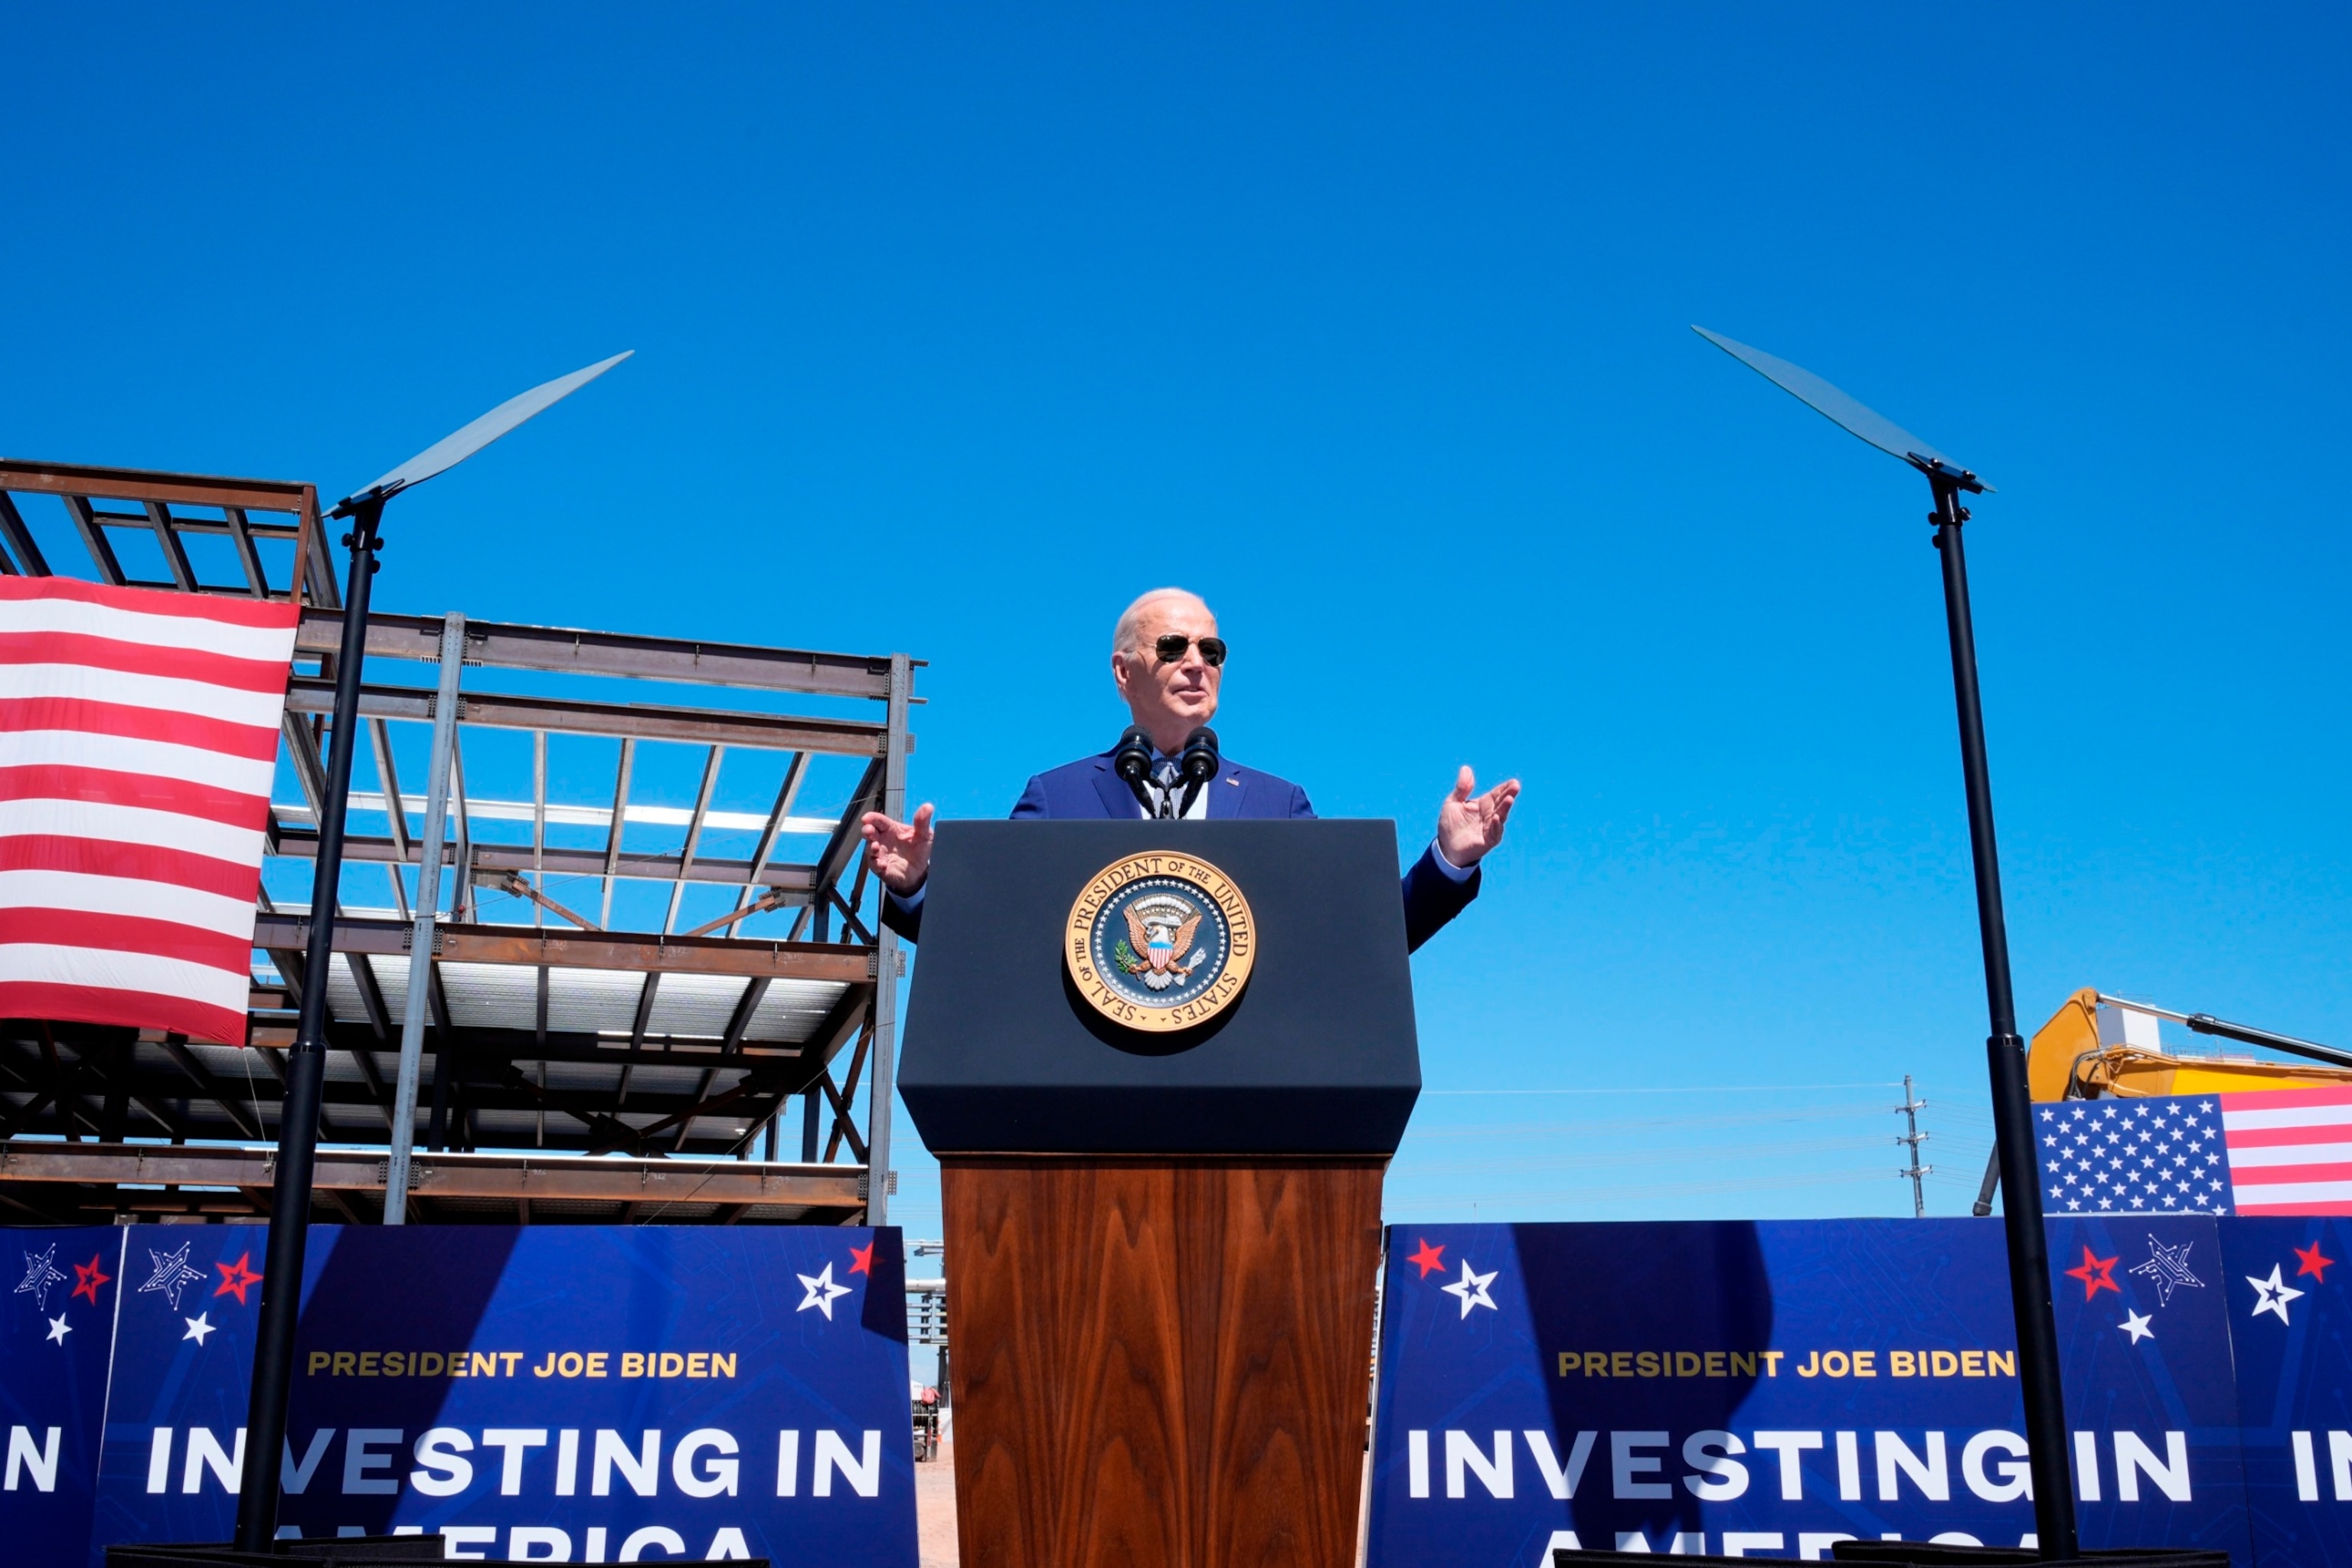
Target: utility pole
x=1911, y=1107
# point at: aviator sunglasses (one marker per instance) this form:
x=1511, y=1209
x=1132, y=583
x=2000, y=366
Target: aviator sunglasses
x=1172, y=648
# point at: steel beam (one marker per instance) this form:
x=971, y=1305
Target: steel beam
x=438, y=768
x=587, y=950
x=570, y=651
x=175, y=557
x=639, y=720
x=541, y=1177
x=794, y=881
x=20, y=539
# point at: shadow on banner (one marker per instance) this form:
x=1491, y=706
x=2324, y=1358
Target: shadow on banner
x=1767, y=1389
x=565, y=1394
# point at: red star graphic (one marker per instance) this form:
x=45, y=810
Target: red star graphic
x=1429, y=1259
x=89, y=1277
x=2310, y=1263
x=2096, y=1274
x=237, y=1278
x=861, y=1260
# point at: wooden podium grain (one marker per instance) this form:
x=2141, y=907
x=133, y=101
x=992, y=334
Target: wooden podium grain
x=1162, y=1361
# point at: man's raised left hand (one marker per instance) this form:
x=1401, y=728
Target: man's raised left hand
x=1468, y=826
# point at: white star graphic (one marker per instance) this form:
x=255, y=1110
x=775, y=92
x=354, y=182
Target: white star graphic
x=58, y=1329
x=1472, y=1288
x=173, y=1274
x=39, y=1275
x=198, y=1327
x=822, y=1292
x=2273, y=1294
x=2136, y=1325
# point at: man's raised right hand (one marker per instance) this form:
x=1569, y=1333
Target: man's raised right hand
x=898, y=852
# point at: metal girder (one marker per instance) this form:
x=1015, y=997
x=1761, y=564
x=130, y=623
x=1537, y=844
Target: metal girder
x=373, y=1077
x=503, y=1086
x=541, y=1178
x=843, y=1126
x=745, y=1006
x=824, y=1043
x=841, y=845
x=571, y=1046
x=693, y=832
x=240, y=534
x=586, y=950
x=20, y=538
x=309, y=770
x=509, y=883
x=640, y=720
x=212, y=1089
x=646, y=994
x=149, y=484
x=619, y=825
x=175, y=555
x=560, y=648
x=395, y=809
x=93, y=539
x=312, y=562
x=788, y=792
x=370, y=995
x=794, y=881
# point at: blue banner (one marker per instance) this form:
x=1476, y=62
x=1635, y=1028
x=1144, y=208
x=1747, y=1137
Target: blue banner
x=556, y=1394
x=1765, y=1389
x=58, y=1339
x=2292, y=1330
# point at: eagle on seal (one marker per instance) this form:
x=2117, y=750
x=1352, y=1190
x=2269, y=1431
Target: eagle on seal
x=1162, y=926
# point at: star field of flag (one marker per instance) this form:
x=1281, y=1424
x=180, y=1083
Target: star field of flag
x=2134, y=1156
x=2278, y=1152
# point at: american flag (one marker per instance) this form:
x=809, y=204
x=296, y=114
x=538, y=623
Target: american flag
x=2271, y=1151
x=138, y=740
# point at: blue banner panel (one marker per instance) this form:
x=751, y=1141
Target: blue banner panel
x=586, y=1395
x=2144, y=1347
x=2292, y=1324
x=1765, y=1389
x=55, y=1343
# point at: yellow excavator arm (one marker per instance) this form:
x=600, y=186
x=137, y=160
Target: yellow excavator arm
x=2075, y=1058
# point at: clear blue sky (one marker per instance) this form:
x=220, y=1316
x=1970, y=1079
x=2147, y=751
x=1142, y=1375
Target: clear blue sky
x=956, y=331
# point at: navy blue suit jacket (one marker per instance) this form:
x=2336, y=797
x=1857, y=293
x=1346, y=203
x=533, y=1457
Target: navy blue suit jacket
x=1088, y=789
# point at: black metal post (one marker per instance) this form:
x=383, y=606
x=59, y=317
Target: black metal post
x=298, y=1125
x=2013, y=1109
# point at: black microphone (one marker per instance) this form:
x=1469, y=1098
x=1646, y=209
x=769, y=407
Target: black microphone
x=1199, y=763
x=1198, y=766
x=1132, y=762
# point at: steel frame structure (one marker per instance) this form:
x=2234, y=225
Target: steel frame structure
x=675, y=1055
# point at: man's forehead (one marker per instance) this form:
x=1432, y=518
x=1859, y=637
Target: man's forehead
x=1174, y=611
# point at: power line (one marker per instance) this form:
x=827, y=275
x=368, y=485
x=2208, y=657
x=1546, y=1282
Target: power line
x=1685, y=1089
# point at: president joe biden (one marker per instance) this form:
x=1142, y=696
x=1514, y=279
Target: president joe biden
x=1169, y=662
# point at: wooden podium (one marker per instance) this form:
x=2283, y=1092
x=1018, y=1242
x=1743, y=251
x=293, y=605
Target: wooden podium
x=1161, y=1248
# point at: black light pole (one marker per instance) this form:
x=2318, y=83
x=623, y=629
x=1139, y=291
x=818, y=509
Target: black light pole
x=306, y=1069
x=298, y=1121
x=2013, y=1109
x=2012, y=1103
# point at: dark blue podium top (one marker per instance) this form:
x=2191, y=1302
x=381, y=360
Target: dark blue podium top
x=1317, y=1055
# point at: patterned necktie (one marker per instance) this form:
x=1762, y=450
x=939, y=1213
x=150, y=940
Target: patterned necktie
x=1163, y=772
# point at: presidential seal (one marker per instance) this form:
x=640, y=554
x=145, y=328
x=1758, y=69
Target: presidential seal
x=1159, y=942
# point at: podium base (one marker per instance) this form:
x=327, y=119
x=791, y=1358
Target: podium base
x=1159, y=1361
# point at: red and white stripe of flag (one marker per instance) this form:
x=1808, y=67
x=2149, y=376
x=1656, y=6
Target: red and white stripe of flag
x=2290, y=1151
x=138, y=741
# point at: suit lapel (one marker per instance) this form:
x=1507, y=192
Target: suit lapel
x=1226, y=792
x=1118, y=801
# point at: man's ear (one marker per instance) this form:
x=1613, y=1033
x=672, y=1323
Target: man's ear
x=1120, y=672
